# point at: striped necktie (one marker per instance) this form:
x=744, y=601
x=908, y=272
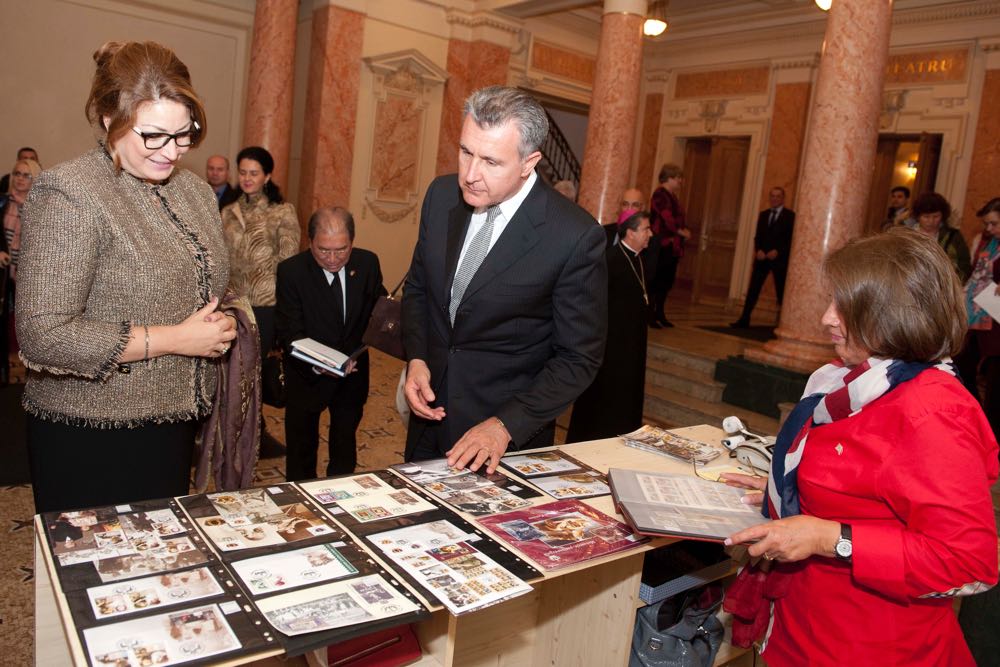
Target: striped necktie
x=474, y=256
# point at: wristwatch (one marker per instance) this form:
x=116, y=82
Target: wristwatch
x=843, y=548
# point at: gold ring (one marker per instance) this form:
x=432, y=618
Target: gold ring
x=768, y=556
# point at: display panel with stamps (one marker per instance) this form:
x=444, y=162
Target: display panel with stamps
x=366, y=497
x=254, y=518
x=440, y=556
x=472, y=492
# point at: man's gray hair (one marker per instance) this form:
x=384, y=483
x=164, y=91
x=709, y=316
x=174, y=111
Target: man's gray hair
x=495, y=106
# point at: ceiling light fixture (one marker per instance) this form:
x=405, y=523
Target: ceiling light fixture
x=824, y=4
x=656, y=19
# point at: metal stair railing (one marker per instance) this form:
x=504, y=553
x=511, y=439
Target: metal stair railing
x=557, y=153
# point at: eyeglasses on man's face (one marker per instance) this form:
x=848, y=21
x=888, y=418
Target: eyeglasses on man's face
x=156, y=140
x=338, y=252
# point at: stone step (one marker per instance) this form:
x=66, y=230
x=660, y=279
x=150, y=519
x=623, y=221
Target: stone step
x=676, y=409
x=691, y=381
x=697, y=362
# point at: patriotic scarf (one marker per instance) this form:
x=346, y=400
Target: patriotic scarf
x=833, y=392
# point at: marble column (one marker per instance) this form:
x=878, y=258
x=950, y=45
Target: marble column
x=471, y=65
x=330, y=117
x=836, y=174
x=646, y=170
x=613, y=108
x=784, y=143
x=268, y=113
x=985, y=162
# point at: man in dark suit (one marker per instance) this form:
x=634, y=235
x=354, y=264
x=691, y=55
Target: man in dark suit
x=217, y=175
x=326, y=293
x=505, y=305
x=772, y=243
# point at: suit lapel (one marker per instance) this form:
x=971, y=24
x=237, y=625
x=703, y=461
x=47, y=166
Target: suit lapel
x=354, y=285
x=517, y=238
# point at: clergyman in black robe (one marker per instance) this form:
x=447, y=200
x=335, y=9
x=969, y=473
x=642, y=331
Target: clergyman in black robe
x=612, y=405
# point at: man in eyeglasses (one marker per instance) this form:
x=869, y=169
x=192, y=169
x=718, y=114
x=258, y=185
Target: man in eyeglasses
x=25, y=153
x=326, y=293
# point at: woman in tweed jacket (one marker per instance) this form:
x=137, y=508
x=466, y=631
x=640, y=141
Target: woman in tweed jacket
x=122, y=267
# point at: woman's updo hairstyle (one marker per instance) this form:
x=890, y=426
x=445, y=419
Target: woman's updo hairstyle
x=130, y=73
x=262, y=157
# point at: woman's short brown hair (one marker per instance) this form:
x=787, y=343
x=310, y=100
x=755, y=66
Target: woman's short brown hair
x=130, y=73
x=898, y=296
x=669, y=171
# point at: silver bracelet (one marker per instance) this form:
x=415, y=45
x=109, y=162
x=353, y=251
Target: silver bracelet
x=146, y=356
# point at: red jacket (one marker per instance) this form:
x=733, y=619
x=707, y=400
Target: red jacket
x=667, y=216
x=911, y=474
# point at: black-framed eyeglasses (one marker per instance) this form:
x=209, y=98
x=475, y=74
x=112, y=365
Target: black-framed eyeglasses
x=155, y=140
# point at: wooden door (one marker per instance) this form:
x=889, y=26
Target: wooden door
x=927, y=163
x=720, y=219
x=882, y=175
x=697, y=156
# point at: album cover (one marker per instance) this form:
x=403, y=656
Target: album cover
x=151, y=592
x=165, y=639
x=562, y=533
x=579, y=484
x=291, y=569
x=470, y=492
x=359, y=600
x=440, y=559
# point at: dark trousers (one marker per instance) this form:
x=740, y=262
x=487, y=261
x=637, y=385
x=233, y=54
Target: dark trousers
x=433, y=442
x=81, y=466
x=302, y=430
x=761, y=267
x=265, y=325
x=970, y=363
x=663, y=281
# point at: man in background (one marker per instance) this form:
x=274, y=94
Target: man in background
x=631, y=202
x=326, y=293
x=899, y=209
x=217, y=175
x=25, y=153
x=771, y=243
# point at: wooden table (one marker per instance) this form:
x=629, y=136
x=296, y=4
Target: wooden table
x=576, y=616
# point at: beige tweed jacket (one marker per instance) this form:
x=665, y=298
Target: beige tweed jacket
x=103, y=252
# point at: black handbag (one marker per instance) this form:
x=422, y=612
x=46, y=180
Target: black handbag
x=272, y=381
x=385, y=330
x=681, y=631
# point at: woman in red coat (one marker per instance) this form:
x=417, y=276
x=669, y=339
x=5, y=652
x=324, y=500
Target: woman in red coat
x=879, y=488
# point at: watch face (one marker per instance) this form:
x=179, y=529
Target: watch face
x=844, y=548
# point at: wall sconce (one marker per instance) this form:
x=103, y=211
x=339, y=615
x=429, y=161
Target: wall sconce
x=656, y=19
x=824, y=4
x=911, y=169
